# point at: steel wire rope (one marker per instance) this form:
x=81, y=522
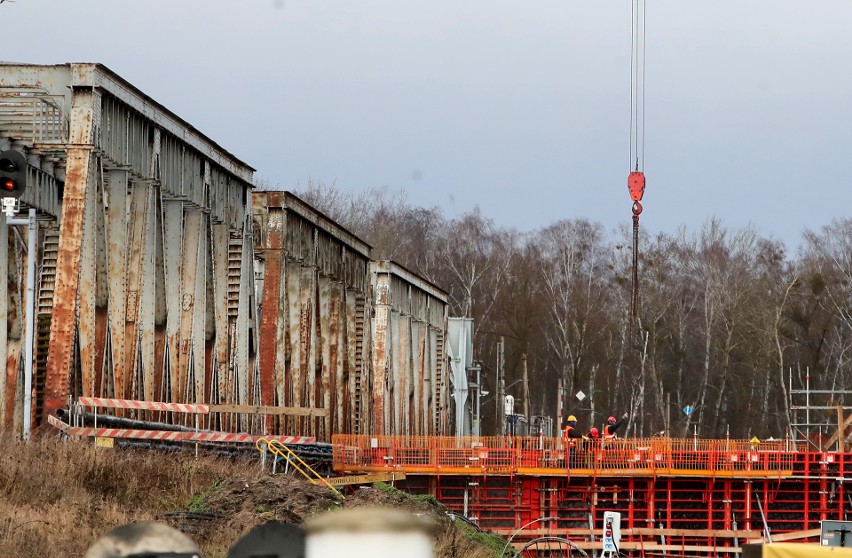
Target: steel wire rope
x=630, y=142
x=638, y=28
x=644, y=29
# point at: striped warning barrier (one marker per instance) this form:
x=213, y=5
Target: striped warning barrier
x=144, y=405
x=174, y=436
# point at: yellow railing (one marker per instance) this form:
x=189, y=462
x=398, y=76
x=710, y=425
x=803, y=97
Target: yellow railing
x=496, y=455
x=278, y=449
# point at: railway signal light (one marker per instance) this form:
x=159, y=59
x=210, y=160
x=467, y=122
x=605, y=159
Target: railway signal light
x=13, y=174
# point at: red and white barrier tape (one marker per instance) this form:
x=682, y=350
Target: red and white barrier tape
x=144, y=405
x=170, y=435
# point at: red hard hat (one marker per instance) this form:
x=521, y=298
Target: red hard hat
x=593, y=431
x=611, y=420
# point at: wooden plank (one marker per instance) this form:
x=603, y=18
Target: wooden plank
x=270, y=410
x=698, y=533
x=639, y=531
x=796, y=535
x=365, y=479
x=842, y=425
x=637, y=545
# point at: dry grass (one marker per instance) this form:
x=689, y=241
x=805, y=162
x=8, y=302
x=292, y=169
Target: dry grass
x=57, y=498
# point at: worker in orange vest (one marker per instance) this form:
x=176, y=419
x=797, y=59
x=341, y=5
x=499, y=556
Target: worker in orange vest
x=612, y=425
x=570, y=430
x=570, y=435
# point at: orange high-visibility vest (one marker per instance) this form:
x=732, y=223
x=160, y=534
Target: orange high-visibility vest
x=566, y=435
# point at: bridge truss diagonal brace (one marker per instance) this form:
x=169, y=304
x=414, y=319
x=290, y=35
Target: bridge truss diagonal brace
x=78, y=179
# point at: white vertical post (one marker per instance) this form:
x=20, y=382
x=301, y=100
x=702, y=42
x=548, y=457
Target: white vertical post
x=808, y=399
x=29, y=332
x=478, y=431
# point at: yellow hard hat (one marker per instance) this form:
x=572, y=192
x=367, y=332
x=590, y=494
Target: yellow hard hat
x=571, y=418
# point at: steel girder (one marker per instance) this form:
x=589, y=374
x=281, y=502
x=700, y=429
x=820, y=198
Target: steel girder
x=154, y=251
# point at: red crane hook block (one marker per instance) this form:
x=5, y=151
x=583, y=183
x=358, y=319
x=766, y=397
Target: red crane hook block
x=636, y=185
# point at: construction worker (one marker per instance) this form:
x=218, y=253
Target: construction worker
x=592, y=446
x=612, y=425
x=570, y=435
x=570, y=430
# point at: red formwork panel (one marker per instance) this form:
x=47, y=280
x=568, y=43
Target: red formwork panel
x=697, y=497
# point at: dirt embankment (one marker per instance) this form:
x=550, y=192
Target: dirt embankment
x=56, y=499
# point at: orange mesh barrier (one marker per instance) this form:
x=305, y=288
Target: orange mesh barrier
x=504, y=455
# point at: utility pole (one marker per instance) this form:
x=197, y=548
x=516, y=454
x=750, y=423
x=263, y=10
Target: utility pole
x=560, y=411
x=13, y=184
x=526, y=387
x=500, y=425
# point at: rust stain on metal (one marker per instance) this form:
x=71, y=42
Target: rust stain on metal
x=209, y=349
x=159, y=360
x=67, y=275
x=271, y=301
x=402, y=348
x=421, y=411
x=380, y=368
x=13, y=357
x=292, y=347
x=101, y=318
x=324, y=368
x=304, y=350
x=87, y=294
x=334, y=387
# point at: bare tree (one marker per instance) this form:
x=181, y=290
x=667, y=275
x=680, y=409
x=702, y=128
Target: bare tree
x=574, y=277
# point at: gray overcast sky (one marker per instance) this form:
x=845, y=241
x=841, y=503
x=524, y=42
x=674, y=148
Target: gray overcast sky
x=520, y=108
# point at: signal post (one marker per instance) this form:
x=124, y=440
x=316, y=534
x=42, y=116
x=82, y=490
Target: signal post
x=13, y=183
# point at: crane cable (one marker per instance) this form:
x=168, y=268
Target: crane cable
x=636, y=160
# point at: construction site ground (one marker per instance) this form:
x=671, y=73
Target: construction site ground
x=57, y=498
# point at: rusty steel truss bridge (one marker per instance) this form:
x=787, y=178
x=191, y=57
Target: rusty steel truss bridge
x=165, y=298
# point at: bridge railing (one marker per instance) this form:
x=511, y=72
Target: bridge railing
x=530, y=455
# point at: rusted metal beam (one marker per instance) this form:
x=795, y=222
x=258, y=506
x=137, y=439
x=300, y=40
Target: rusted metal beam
x=147, y=299
x=191, y=246
x=77, y=181
x=88, y=290
x=137, y=226
x=200, y=356
x=327, y=316
x=379, y=332
x=116, y=233
x=294, y=204
x=6, y=383
x=308, y=345
x=244, y=327
x=293, y=338
x=221, y=252
x=270, y=307
x=98, y=75
x=173, y=268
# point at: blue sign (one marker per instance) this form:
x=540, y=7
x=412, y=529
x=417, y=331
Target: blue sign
x=687, y=410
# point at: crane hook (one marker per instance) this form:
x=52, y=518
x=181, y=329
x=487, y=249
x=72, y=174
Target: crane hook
x=637, y=208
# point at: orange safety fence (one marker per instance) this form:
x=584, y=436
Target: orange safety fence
x=516, y=455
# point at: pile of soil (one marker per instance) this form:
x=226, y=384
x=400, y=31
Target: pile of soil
x=231, y=508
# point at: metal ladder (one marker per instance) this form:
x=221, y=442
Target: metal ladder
x=44, y=313
x=439, y=383
x=235, y=266
x=357, y=396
